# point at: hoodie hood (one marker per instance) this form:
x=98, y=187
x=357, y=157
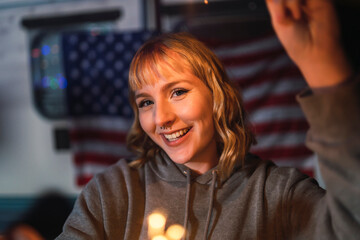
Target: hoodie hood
x=169, y=171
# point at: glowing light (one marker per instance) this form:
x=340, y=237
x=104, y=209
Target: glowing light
x=54, y=82
x=175, y=232
x=159, y=237
x=35, y=53
x=156, y=223
x=45, y=82
x=61, y=81
x=45, y=50
x=206, y=1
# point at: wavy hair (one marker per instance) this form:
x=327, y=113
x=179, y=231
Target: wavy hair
x=233, y=135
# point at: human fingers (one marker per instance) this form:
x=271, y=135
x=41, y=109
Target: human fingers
x=277, y=10
x=294, y=7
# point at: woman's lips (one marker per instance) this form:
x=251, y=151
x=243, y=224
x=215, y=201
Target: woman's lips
x=176, y=137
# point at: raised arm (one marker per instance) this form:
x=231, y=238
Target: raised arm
x=309, y=31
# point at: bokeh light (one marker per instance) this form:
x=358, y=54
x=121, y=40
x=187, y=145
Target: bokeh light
x=159, y=237
x=156, y=222
x=175, y=232
x=45, y=50
x=35, y=53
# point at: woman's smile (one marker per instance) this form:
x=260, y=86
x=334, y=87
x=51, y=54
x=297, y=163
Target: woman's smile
x=176, y=135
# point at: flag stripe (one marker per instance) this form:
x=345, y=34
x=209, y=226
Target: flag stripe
x=282, y=86
x=101, y=147
x=95, y=157
x=287, y=99
x=283, y=153
x=251, y=58
x=287, y=139
x=297, y=125
x=275, y=113
x=267, y=75
x=245, y=48
x=80, y=135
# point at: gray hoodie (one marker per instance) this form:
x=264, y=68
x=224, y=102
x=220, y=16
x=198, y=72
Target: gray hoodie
x=258, y=201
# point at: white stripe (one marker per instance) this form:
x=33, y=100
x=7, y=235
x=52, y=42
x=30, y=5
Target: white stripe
x=107, y=148
x=286, y=85
x=90, y=169
x=279, y=140
x=251, y=69
x=270, y=114
x=104, y=123
x=270, y=43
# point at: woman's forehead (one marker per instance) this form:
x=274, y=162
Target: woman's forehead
x=164, y=68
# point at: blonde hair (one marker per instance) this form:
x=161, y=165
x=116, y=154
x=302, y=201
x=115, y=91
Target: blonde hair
x=234, y=136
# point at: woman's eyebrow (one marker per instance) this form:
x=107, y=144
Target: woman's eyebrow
x=166, y=87
x=141, y=95
x=172, y=84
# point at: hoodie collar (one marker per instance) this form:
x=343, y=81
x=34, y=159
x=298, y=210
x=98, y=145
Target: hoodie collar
x=169, y=171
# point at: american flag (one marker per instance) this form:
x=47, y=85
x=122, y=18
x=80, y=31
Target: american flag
x=96, y=67
x=269, y=82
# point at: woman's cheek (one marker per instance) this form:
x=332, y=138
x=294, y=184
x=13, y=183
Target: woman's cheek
x=145, y=122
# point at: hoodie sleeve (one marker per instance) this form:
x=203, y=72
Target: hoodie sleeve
x=85, y=221
x=109, y=207
x=334, y=135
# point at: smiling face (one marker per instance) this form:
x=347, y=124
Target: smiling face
x=175, y=111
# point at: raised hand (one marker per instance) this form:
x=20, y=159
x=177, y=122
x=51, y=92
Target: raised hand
x=309, y=31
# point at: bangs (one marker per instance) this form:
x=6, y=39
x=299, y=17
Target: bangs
x=153, y=63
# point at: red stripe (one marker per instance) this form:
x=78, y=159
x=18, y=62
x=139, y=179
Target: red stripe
x=78, y=135
x=287, y=99
x=283, y=153
x=83, y=158
x=83, y=179
x=307, y=171
x=223, y=42
x=281, y=126
x=268, y=55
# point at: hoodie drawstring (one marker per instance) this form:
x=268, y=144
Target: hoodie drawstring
x=211, y=203
x=188, y=188
x=212, y=190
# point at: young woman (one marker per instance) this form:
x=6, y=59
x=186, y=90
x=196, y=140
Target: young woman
x=190, y=133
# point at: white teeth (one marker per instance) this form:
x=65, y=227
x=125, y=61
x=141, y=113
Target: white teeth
x=176, y=135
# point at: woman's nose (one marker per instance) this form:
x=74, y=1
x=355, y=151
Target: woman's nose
x=164, y=114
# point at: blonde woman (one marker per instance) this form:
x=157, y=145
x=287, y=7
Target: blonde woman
x=192, y=140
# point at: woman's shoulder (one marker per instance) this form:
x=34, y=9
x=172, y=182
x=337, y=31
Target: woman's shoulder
x=117, y=174
x=278, y=179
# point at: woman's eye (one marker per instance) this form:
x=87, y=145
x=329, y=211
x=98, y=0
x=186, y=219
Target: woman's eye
x=145, y=103
x=179, y=92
